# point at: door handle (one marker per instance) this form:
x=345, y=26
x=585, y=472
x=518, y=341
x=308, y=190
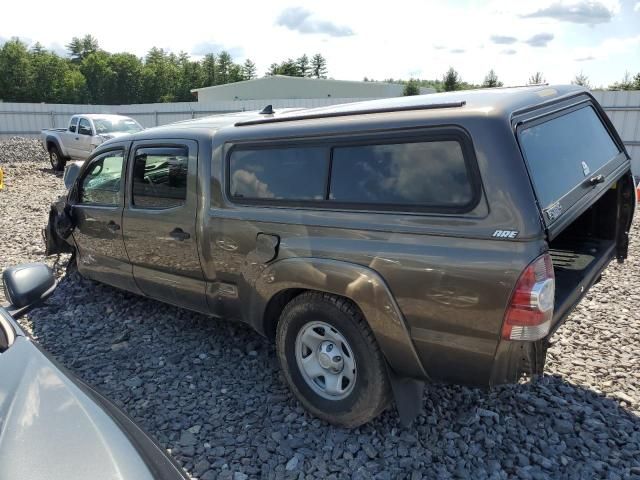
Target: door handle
x=113, y=226
x=179, y=234
x=77, y=138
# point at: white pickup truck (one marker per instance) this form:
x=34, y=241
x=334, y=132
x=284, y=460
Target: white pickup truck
x=83, y=135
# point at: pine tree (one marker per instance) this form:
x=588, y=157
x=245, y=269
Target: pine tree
x=491, y=80
x=80, y=48
x=249, y=70
x=303, y=65
x=209, y=70
x=582, y=80
x=451, y=80
x=318, y=66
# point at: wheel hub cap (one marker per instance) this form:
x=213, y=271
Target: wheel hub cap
x=330, y=358
x=325, y=360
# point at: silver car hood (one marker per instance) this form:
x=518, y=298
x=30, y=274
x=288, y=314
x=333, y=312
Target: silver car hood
x=51, y=429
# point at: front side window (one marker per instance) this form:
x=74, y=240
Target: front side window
x=84, y=128
x=160, y=177
x=296, y=173
x=415, y=174
x=74, y=125
x=102, y=180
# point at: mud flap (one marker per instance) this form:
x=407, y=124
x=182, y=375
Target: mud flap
x=407, y=393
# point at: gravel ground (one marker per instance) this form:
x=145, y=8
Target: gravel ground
x=211, y=392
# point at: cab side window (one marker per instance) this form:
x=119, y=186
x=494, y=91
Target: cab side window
x=74, y=125
x=101, y=183
x=160, y=177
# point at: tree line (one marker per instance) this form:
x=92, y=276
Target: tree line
x=451, y=81
x=91, y=75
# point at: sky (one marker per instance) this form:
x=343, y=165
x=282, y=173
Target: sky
x=378, y=40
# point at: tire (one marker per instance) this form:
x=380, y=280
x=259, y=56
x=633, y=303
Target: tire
x=332, y=320
x=55, y=157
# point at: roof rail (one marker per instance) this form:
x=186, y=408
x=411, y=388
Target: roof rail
x=368, y=111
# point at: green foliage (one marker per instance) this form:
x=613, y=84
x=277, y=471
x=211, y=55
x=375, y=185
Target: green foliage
x=491, y=80
x=92, y=75
x=582, y=80
x=412, y=87
x=627, y=83
x=318, y=66
x=249, y=70
x=16, y=80
x=451, y=80
x=81, y=48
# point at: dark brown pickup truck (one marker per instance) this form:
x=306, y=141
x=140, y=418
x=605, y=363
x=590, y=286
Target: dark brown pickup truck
x=382, y=244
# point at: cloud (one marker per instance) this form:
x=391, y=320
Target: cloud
x=540, y=40
x=457, y=50
x=509, y=51
x=302, y=20
x=204, y=48
x=636, y=7
x=585, y=59
x=503, y=40
x=583, y=11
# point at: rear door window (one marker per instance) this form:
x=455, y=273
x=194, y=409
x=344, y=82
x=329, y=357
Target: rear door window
x=564, y=151
x=160, y=177
x=422, y=174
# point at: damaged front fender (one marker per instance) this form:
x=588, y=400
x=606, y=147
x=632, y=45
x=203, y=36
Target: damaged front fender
x=57, y=233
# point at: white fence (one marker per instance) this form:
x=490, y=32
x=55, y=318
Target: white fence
x=27, y=119
x=623, y=109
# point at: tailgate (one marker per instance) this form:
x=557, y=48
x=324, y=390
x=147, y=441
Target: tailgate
x=574, y=156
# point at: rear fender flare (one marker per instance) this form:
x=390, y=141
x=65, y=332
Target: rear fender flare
x=56, y=142
x=360, y=284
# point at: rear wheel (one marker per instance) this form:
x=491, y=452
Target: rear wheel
x=57, y=162
x=331, y=360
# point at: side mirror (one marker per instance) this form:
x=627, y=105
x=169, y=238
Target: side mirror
x=27, y=285
x=71, y=172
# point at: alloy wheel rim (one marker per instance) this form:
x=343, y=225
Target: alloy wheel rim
x=325, y=360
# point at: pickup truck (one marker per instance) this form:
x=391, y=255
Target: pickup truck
x=83, y=135
x=380, y=245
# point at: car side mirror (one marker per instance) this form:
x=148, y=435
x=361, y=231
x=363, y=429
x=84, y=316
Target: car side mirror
x=25, y=286
x=71, y=172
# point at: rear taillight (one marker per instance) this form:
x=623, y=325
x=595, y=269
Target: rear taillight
x=530, y=310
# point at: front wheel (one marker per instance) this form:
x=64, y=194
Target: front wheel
x=331, y=359
x=57, y=162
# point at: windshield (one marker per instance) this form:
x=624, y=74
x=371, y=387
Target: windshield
x=563, y=151
x=105, y=125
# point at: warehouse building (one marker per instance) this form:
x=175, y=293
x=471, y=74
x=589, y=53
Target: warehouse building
x=283, y=87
